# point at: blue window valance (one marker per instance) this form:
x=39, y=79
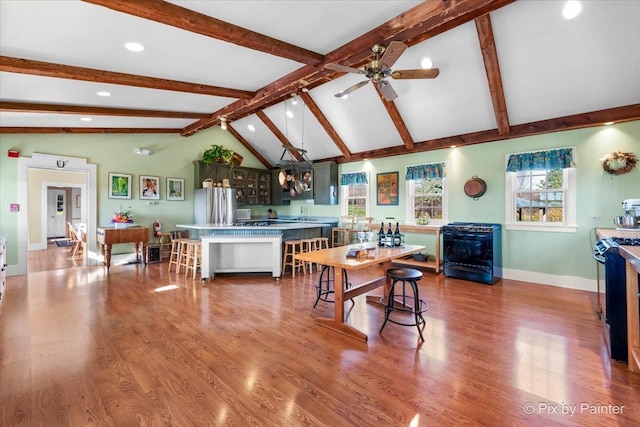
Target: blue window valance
x=430, y=171
x=354, y=178
x=561, y=158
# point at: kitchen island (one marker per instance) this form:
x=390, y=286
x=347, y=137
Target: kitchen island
x=254, y=247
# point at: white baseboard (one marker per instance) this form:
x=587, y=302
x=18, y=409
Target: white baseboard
x=570, y=282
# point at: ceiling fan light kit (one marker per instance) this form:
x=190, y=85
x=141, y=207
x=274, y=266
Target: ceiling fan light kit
x=379, y=68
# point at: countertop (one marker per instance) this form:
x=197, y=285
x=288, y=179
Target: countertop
x=293, y=225
x=630, y=253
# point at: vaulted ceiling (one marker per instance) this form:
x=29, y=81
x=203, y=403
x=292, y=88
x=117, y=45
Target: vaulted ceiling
x=507, y=69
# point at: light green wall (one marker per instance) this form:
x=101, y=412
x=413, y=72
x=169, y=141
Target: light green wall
x=552, y=253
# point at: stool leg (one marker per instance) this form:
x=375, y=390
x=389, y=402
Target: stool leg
x=390, y=302
x=416, y=308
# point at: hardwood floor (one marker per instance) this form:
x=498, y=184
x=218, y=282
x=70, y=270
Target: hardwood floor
x=140, y=346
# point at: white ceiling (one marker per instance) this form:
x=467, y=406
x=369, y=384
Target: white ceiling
x=550, y=67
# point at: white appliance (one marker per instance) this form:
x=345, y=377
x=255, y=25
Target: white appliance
x=630, y=205
x=215, y=205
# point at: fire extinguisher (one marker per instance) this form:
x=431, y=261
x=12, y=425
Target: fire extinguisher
x=157, y=228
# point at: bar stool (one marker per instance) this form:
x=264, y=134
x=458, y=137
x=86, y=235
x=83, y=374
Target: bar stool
x=176, y=253
x=322, y=243
x=309, y=245
x=192, y=256
x=325, y=286
x=291, y=248
x=165, y=242
x=407, y=304
x=183, y=261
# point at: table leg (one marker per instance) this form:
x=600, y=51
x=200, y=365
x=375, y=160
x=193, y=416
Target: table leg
x=144, y=252
x=337, y=323
x=107, y=255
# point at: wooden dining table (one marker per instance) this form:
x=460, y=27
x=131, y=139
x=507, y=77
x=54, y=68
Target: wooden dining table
x=337, y=258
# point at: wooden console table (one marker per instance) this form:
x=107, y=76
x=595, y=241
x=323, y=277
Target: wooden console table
x=108, y=236
x=434, y=261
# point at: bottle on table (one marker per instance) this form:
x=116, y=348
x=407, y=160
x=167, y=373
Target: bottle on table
x=389, y=240
x=381, y=235
x=397, y=236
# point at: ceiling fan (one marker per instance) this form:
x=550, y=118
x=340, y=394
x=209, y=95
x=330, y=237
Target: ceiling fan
x=380, y=68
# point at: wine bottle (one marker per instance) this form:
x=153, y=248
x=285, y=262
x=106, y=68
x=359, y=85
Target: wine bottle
x=397, y=237
x=381, y=235
x=389, y=241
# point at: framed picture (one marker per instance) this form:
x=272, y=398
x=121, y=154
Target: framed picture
x=175, y=189
x=119, y=186
x=149, y=187
x=387, y=188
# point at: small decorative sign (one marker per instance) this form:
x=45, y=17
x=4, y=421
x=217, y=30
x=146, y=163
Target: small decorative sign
x=14, y=207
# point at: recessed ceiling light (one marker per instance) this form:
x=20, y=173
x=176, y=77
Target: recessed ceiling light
x=289, y=114
x=86, y=119
x=571, y=9
x=103, y=93
x=426, y=63
x=134, y=47
x=345, y=96
x=453, y=146
x=608, y=123
x=251, y=128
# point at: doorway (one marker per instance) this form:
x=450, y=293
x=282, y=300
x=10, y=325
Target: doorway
x=35, y=175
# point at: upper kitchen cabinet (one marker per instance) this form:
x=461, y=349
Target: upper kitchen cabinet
x=215, y=171
x=325, y=183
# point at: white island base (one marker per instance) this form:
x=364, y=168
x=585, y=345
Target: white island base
x=241, y=254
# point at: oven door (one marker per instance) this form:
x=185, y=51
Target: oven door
x=468, y=256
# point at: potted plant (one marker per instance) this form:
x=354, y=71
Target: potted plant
x=218, y=154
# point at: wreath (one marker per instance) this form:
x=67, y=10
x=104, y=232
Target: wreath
x=618, y=163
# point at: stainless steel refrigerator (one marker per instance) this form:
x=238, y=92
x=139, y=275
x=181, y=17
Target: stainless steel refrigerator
x=215, y=205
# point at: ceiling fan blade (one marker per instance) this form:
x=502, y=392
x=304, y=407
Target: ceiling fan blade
x=350, y=89
x=429, y=73
x=392, y=53
x=387, y=91
x=343, y=68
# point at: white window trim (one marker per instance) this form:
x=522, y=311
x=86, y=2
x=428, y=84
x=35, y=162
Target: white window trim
x=570, y=202
x=410, y=192
x=344, y=194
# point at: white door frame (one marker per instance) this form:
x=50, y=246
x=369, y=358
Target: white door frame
x=43, y=218
x=90, y=210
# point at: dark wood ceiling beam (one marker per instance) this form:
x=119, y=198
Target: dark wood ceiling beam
x=577, y=121
x=189, y=20
x=419, y=23
x=492, y=68
x=322, y=119
x=397, y=120
x=248, y=146
x=24, y=107
x=48, y=130
x=274, y=129
x=60, y=71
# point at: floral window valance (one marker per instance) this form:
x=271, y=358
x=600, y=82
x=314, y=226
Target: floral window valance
x=546, y=160
x=430, y=171
x=354, y=178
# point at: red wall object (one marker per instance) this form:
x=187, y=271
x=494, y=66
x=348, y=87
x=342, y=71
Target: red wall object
x=13, y=153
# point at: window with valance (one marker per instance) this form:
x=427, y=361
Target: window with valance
x=355, y=194
x=427, y=200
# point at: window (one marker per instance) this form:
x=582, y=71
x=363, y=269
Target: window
x=427, y=195
x=355, y=194
x=541, y=190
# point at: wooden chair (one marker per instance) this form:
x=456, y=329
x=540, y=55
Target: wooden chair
x=76, y=248
x=340, y=234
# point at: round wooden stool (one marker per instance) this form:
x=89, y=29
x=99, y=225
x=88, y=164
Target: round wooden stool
x=407, y=303
x=291, y=248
